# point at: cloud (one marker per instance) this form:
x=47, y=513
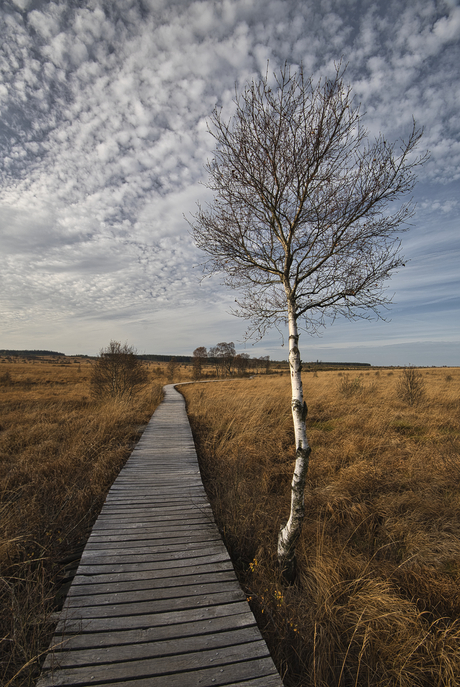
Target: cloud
x=103, y=131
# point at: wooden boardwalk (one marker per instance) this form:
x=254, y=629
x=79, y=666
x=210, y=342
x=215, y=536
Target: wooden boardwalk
x=155, y=601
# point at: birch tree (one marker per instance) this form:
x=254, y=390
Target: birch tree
x=302, y=223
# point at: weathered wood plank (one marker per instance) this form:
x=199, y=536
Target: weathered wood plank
x=155, y=601
x=72, y=623
x=231, y=675
x=151, y=594
x=154, y=547
x=139, y=566
x=115, y=542
x=162, y=648
x=150, y=578
x=161, y=633
x=144, y=525
x=164, y=574
x=219, y=659
x=152, y=585
x=173, y=602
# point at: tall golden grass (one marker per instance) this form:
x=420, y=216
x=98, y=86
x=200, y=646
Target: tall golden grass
x=59, y=453
x=377, y=600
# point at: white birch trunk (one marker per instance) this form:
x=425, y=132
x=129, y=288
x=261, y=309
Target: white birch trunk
x=289, y=534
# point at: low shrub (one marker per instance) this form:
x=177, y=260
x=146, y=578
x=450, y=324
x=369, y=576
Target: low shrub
x=350, y=387
x=411, y=386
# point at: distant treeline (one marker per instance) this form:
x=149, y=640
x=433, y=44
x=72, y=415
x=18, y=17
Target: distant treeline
x=30, y=354
x=186, y=359
x=320, y=363
x=190, y=359
x=167, y=358
x=209, y=359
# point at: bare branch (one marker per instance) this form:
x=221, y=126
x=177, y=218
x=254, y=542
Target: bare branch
x=302, y=201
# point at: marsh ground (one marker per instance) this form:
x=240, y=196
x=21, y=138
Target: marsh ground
x=60, y=451
x=377, y=599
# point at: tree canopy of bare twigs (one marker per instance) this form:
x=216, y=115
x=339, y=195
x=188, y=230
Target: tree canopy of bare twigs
x=117, y=372
x=199, y=354
x=171, y=369
x=301, y=222
x=223, y=355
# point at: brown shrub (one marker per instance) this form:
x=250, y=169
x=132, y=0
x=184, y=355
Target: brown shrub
x=411, y=386
x=118, y=372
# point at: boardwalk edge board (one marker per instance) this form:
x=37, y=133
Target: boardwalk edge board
x=155, y=601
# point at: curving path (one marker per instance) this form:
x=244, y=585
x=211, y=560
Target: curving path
x=155, y=601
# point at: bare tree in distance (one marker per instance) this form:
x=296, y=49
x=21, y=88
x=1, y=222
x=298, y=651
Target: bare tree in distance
x=300, y=223
x=241, y=363
x=264, y=362
x=199, y=354
x=171, y=369
x=216, y=360
x=117, y=372
x=223, y=354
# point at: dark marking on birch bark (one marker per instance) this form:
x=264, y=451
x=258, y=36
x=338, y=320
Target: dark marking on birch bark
x=297, y=406
x=304, y=412
x=288, y=564
x=300, y=408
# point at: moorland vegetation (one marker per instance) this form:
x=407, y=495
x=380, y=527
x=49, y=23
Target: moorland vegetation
x=376, y=601
x=60, y=451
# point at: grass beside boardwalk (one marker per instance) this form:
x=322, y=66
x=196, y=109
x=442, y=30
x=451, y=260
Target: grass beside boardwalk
x=377, y=598
x=59, y=453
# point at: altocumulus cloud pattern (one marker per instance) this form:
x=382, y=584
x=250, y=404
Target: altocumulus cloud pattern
x=103, y=140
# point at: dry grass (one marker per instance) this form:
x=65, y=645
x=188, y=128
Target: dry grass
x=377, y=601
x=59, y=453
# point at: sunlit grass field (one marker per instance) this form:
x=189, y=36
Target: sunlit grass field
x=377, y=598
x=60, y=451
x=376, y=601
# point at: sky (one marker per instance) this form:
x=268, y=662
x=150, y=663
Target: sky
x=103, y=139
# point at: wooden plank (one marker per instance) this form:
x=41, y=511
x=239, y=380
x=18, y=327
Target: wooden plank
x=150, y=593
x=112, y=587
x=230, y=675
x=173, y=602
x=220, y=659
x=141, y=566
x=108, y=577
x=147, y=576
x=153, y=547
x=142, y=524
x=134, y=636
x=155, y=601
x=72, y=623
x=117, y=542
x=162, y=648
x=143, y=515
